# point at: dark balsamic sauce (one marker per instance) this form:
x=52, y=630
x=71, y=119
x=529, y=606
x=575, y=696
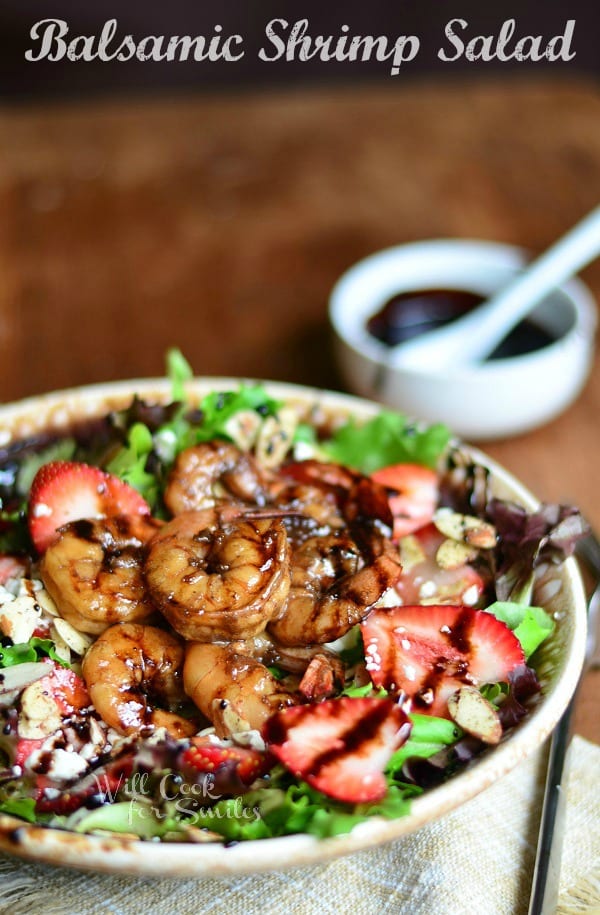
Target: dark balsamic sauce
x=410, y=314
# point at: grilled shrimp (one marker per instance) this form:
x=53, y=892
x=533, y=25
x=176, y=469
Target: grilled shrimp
x=293, y=660
x=332, y=494
x=127, y=669
x=93, y=571
x=307, y=511
x=334, y=585
x=232, y=690
x=219, y=579
x=320, y=672
x=209, y=471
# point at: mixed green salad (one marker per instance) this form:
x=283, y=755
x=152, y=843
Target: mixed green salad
x=239, y=618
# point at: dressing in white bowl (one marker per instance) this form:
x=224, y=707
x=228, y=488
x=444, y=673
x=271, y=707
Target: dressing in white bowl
x=480, y=401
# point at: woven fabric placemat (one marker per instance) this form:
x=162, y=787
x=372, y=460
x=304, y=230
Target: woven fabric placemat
x=477, y=861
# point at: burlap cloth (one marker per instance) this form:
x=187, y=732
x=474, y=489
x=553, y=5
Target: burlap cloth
x=477, y=861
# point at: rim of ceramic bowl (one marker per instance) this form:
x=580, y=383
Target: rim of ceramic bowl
x=349, y=323
x=559, y=669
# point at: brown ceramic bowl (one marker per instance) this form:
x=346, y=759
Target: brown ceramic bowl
x=558, y=662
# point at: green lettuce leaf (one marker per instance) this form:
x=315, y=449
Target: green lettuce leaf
x=130, y=462
x=23, y=807
x=61, y=450
x=357, y=692
x=428, y=736
x=14, y=535
x=32, y=650
x=387, y=439
x=135, y=816
x=178, y=371
x=218, y=407
x=284, y=809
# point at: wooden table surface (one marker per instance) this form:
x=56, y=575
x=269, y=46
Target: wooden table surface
x=219, y=224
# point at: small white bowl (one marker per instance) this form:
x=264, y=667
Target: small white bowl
x=497, y=398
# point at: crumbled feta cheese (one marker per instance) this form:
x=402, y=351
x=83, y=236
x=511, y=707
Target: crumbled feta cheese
x=97, y=742
x=389, y=598
x=251, y=739
x=427, y=589
x=60, y=765
x=41, y=510
x=303, y=451
x=20, y=618
x=165, y=443
x=6, y=596
x=66, y=765
x=27, y=609
x=471, y=596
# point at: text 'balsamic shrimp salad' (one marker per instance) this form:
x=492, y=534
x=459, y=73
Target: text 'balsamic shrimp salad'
x=239, y=618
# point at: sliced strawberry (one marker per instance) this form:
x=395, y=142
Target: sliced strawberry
x=47, y=702
x=12, y=567
x=45, y=705
x=102, y=783
x=340, y=746
x=25, y=747
x=413, y=493
x=64, y=491
x=424, y=582
x=428, y=653
x=231, y=769
x=66, y=688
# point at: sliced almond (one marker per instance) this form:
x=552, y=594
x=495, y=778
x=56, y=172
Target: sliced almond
x=411, y=552
x=275, y=437
x=76, y=641
x=243, y=427
x=452, y=555
x=465, y=529
x=226, y=720
x=60, y=646
x=474, y=714
x=200, y=836
x=40, y=715
x=46, y=603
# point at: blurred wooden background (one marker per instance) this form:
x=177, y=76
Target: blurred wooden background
x=220, y=223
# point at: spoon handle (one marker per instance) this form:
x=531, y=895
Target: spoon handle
x=475, y=336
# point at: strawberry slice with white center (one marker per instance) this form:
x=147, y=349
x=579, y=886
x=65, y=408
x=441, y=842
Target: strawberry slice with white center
x=64, y=491
x=11, y=567
x=413, y=493
x=45, y=706
x=47, y=702
x=428, y=653
x=230, y=769
x=423, y=581
x=102, y=783
x=339, y=746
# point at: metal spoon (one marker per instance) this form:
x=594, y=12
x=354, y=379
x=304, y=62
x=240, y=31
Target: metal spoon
x=473, y=337
x=546, y=875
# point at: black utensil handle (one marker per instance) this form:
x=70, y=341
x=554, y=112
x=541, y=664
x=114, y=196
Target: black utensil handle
x=546, y=874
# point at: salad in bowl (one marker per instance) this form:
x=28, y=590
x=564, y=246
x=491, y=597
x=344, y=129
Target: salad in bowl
x=246, y=625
